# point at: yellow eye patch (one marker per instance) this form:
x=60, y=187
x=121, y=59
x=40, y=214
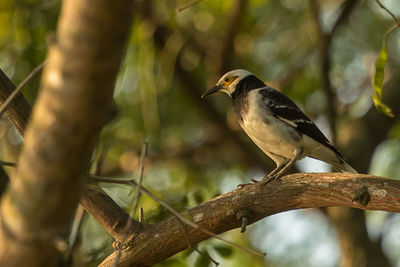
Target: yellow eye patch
x=229, y=80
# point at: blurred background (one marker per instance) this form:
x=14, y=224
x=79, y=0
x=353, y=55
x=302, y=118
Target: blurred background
x=197, y=149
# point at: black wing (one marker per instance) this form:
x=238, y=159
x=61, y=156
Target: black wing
x=287, y=111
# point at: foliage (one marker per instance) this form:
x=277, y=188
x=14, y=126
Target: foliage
x=378, y=79
x=197, y=150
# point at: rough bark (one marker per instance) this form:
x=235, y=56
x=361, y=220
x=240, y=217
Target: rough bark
x=94, y=200
x=106, y=212
x=303, y=190
x=19, y=110
x=74, y=103
x=356, y=151
x=351, y=216
x=18, y=113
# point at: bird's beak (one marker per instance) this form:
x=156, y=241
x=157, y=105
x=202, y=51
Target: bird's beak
x=212, y=91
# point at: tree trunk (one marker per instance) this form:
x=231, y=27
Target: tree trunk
x=74, y=103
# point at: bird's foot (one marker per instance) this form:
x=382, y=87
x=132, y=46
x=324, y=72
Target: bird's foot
x=270, y=178
x=240, y=186
x=254, y=181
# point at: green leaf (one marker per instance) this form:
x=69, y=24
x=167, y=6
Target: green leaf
x=377, y=82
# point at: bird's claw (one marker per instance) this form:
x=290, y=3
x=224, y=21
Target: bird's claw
x=240, y=186
x=266, y=180
x=270, y=178
x=254, y=181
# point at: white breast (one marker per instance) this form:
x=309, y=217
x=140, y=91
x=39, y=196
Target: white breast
x=270, y=134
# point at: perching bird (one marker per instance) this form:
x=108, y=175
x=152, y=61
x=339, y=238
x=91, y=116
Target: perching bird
x=276, y=124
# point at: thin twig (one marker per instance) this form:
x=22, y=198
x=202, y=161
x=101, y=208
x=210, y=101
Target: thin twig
x=97, y=159
x=174, y=212
x=19, y=88
x=134, y=203
x=394, y=27
x=73, y=237
x=389, y=12
x=8, y=164
x=187, y=5
x=195, y=247
x=139, y=185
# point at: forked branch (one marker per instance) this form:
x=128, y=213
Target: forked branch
x=302, y=190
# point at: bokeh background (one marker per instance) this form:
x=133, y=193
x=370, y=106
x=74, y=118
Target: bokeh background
x=197, y=149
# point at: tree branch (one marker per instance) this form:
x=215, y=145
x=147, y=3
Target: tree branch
x=74, y=103
x=297, y=191
x=19, y=110
x=182, y=220
x=95, y=201
x=18, y=90
x=106, y=212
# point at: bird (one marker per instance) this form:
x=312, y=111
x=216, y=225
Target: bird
x=276, y=124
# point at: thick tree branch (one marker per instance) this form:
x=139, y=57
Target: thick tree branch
x=19, y=110
x=73, y=105
x=106, y=212
x=93, y=199
x=297, y=191
x=17, y=91
x=366, y=144
x=103, y=217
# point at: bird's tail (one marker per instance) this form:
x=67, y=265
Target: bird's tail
x=345, y=167
x=339, y=161
x=329, y=154
x=335, y=158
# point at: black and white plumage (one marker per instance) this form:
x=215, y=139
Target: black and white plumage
x=276, y=124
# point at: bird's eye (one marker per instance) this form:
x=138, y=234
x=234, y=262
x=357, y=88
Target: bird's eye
x=226, y=79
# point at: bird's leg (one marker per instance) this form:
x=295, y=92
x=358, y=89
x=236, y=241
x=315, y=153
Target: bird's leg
x=277, y=169
x=272, y=175
x=275, y=176
x=279, y=166
x=282, y=164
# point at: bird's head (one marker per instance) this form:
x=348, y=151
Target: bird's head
x=228, y=82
